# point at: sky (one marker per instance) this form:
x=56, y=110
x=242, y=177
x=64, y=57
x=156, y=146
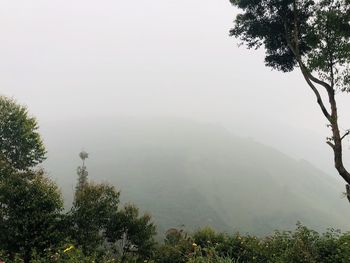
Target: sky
x=69, y=60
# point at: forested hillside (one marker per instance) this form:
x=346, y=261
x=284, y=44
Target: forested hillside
x=193, y=174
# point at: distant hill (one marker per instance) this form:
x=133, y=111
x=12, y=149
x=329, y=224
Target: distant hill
x=195, y=174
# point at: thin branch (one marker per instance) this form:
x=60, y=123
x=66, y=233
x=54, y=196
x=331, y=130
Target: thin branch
x=347, y=187
x=345, y=134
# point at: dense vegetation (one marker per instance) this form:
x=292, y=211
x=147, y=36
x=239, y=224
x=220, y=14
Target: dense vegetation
x=34, y=227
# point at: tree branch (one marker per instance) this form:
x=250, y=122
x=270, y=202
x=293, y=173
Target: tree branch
x=318, y=81
x=307, y=75
x=345, y=134
x=330, y=144
x=317, y=93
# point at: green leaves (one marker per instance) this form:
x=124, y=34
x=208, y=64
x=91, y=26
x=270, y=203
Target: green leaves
x=293, y=31
x=267, y=23
x=330, y=42
x=95, y=218
x=30, y=207
x=300, y=246
x=20, y=143
x=30, y=203
x=93, y=207
x=135, y=231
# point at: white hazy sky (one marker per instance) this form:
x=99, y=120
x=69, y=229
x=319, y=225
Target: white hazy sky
x=77, y=58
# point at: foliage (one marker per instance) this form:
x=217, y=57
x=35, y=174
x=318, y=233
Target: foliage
x=30, y=218
x=70, y=254
x=32, y=225
x=34, y=229
x=317, y=31
x=97, y=222
x=82, y=172
x=207, y=236
x=20, y=143
x=92, y=209
x=129, y=232
x=300, y=246
x=178, y=246
x=237, y=247
x=207, y=255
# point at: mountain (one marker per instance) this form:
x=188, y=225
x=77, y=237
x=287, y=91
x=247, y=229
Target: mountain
x=189, y=174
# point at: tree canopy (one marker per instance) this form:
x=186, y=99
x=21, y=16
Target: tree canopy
x=294, y=32
x=93, y=206
x=96, y=220
x=20, y=143
x=30, y=212
x=127, y=230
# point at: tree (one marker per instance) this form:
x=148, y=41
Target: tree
x=30, y=203
x=313, y=36
x=129, y=232
x=96, y=219
x=20, y=144
x=93, y=206
x=30, y=206
x=82, y=172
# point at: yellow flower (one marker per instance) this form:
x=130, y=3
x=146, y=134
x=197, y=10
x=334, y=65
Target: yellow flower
x=194, y=244
x=68, y=248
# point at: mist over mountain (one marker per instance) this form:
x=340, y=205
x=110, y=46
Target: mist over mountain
x=189, y=174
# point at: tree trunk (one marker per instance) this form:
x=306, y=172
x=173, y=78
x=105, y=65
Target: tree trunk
x=337, y=146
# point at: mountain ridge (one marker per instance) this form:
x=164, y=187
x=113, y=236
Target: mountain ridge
x=197, y=174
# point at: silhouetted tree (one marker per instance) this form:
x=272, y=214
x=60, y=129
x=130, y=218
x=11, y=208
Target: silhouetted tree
x=313, y=36
x=82, y=172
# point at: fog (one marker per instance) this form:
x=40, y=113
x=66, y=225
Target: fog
x=71, y=60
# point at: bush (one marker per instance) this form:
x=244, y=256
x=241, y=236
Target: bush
x=300, y=246
x=70, y=254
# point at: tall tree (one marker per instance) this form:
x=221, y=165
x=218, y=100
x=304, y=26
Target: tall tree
x=313, y=36
x=20, y=143
x=96, y=219
x=82, y=172
x=30, y=203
